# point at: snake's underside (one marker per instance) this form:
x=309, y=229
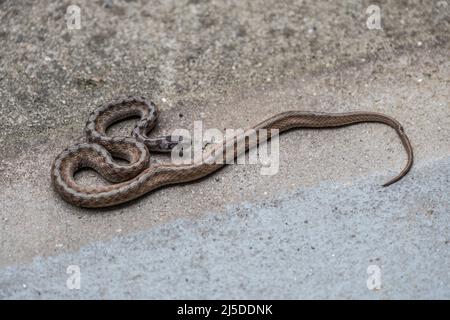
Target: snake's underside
x=137, y=177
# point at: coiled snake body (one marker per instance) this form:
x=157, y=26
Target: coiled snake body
x=138, y=177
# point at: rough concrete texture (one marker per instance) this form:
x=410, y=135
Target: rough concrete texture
x=311, y=243
x=232, y=64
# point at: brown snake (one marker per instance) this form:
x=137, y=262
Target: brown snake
x=136, y=178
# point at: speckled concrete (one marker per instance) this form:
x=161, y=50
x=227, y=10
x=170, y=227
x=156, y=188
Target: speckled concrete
x=311, y=243
x=232, y=64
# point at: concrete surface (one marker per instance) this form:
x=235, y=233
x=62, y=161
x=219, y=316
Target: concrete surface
x=311, y=243
x=231, y=63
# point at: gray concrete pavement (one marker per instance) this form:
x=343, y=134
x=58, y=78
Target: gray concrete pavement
x=232, y=64
x=310, y=243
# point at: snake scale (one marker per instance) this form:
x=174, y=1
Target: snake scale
x=138, y=177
